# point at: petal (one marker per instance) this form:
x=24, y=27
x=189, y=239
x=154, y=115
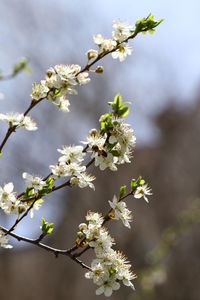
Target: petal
x=100, y=290
x=8, y=188
x=108, y=291
x=115, y=286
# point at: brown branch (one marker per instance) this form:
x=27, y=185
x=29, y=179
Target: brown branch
x=86, y=68
x=37, y=243
x=106, y=219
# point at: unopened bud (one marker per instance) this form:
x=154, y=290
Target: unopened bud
x=92, y=54
x=99, y=69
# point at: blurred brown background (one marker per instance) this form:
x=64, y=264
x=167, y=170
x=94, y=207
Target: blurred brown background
x=162, y=77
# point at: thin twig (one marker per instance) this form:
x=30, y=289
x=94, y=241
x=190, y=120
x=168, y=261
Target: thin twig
x=86, y=68
x=37, y=243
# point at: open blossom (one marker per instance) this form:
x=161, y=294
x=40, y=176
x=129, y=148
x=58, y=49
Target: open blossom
x=95, y=141
x=83, y=180
x=4, y=240
x=71, y=154
x=13, y=119
x=29, y=124
x=104, y=162
x=94, y=218
x=98, y=39
x=124, y=140
x=122, y=52
x=83, y=78
x=105, y=43
x=16, y=119
x=8, y=201
x=123, y=30
x=108, y=271
x=61, y=169
x=102, y=242
x=34, y=182
x=121, y=212
x=63, y=104
x=59, y=82
x=39, y=90
x=109, y=267
x=143, y=191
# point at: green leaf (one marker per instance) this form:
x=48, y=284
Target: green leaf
x=119, y=109
x=46, y=227
x=122, y=191
x=137, y=182
x=147, y=24
x=21, y=66
x=123, y=112
x=106, y=122
x=48, y=188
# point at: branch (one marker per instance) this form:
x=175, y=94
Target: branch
x=37, y=243
x=86, y=68
x=106, y=219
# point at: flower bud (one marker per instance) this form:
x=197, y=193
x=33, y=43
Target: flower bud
x=92, y=54
x=99, y=69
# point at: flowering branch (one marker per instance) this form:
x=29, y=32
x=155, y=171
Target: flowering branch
x=110, y=146
x=51, y=90
x=35, y=242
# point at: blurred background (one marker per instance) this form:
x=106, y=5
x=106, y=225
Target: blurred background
x=162, y=79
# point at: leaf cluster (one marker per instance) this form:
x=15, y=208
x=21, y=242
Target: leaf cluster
x=46, y=227
x=147, y=24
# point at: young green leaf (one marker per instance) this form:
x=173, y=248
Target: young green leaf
x=122, y=191
x=46, y=227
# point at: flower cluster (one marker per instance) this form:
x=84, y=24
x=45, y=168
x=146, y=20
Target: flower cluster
x=109, y=267
x=8, y=201
x=19, y=120
x=4, y=241
x=113, y=145
x=60, y=81
x=117, y=44
x=70, y=164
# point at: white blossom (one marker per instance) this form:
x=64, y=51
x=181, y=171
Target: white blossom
x=62, y=169
x=83, y=78
x=8, y=201
x=122, y=52
x=19, y=120
x=34, y=182
x=123, y=30
x=94, y=218
x=143, y=191
x=63, y=104
x=98, y=39
x=107, y=161
x=95, y=141
x=122, y=135
x=121, y=212
x=39, y=90
x=92, y=53
x=4, y=240
x=71, y=154
x=29, y=124
x=83, y=180
x=13, y=119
